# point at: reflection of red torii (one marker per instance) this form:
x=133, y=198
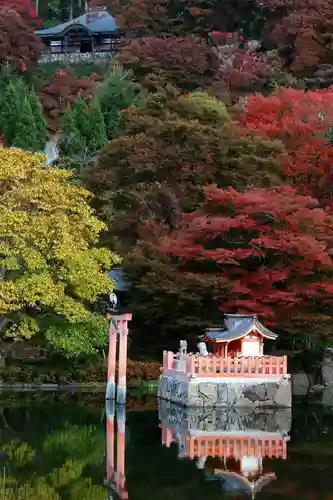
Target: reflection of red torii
x=115, y=466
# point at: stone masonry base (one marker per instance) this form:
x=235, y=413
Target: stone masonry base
x=196, y=392
x=233, y=420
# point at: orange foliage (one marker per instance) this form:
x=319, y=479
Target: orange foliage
x=19, y=46
x=63, y=89
x=301, y=28
x=303, y=122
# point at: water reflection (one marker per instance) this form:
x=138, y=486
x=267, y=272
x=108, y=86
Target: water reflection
x=70, y=447
x=115, y=450
x=230, y=446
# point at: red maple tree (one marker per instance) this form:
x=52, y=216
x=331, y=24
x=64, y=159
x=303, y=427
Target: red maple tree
x=57, y=94
x=25, y=9
x=241, y=69
x=159, y=18
x=187, y=62
x=302, y=30
x=19, y=46
x=303, y=122
x=272, y=247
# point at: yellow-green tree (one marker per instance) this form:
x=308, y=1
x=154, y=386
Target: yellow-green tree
x=50, y=261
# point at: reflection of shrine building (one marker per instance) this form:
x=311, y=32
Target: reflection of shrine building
x=115, y=451
x=230, y=445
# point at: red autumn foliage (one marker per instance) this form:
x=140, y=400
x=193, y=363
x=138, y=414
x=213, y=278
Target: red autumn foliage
x=61, y=91
x=19, y=46
x=303, y=122
x=145, y=17
x=159, y=18
x=303, y=30
x=187, y=62
x=272, y=247
x=25, y=9
x=241, y=70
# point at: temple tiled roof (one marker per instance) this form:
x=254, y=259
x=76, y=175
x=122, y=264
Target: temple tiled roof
x=101, y=23
x=237, y=326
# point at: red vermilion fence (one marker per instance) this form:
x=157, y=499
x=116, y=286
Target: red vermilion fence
x=213, y=366
x=229, y=446
x=236, y=446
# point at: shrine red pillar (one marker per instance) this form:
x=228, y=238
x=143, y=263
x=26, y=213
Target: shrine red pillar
x=118, y=330
x=115, y=456
x=121, y=446
x=111, y=382
x=110, y=434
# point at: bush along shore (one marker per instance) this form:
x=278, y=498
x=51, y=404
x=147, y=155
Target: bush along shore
x=68, y=373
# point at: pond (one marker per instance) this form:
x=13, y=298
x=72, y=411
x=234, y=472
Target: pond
x=70, y=446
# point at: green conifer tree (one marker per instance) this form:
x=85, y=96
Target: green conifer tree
x=71, y=142
x=97, y=134
x=9, y=111
x=37, y=111
x=22, y=122
x=117, y=92
x=24, y=130
x=80, y=114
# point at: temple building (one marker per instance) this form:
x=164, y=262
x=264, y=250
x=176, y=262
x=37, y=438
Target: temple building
x=93, y=32
x=241, y=335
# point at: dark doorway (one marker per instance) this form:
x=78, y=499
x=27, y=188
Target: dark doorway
x=86, y=46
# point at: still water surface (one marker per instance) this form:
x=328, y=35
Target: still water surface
x=71, y=447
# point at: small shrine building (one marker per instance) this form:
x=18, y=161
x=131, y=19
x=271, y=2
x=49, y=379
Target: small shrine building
x=240, y=335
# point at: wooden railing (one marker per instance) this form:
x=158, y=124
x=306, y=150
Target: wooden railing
x=236, y=447
x=213, y=366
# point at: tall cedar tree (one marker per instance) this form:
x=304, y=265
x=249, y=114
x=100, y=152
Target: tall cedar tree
x=24, y=136
x=186, y=62
x=37, y=111
x=83, y=131
x=80, y=112
x=303, y=122
x=71, y=141
x=22, y=122
x=155, y=167
x=9, y=109
x=19, y=46
x=96, y=139
x=117, y=92
x=272, y=248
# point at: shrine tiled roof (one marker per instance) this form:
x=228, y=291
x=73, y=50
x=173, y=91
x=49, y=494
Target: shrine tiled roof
x=237, y=326
x=237, y=483
x=99, y=22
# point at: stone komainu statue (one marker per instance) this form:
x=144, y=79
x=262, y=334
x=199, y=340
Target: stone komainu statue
x=183, y=347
